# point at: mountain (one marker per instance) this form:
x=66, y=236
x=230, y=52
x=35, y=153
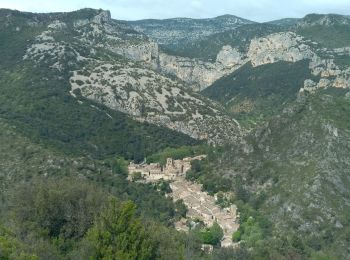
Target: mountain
x=294, y=171
x=330, y=30
x=200, y=62
x=255, y=88
x=323, y=19
x=182, y=30
x=82, y=95
x=289, y=85
x=253, y=94
x=303, y=156
x=207, y=48
x=95, y=58
x=36, y=98
x=288, y=22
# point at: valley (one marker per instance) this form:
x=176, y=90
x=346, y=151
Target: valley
x=203, y=207
x=200, y=206
x=216, y=138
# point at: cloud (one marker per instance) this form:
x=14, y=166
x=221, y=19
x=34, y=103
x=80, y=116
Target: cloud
x=258, y=10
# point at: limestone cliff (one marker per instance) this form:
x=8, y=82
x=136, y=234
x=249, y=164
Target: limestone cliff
x=278, y=47
x=118, y=67
x=200, y=74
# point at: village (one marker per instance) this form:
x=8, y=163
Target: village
x=200, y=205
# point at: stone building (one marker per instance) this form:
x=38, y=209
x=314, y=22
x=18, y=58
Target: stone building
x=155, y=171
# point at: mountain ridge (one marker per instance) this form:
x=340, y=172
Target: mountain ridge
x=82, y=94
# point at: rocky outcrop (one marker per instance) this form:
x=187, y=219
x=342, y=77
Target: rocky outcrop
x=180, y=30
x=330, y=75
x=146, y=52
x=103, y=17
x=323, y=20
x=131, y=84
x=153, y=98
x=286, y=46
x=200, y=74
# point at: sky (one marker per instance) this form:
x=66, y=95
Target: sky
x=256, y=10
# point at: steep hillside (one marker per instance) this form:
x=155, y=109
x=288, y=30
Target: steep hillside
x=22, y=161
x=285, y=22
x=301, y=162
x=265, y=67
x=203, y=61
x=95, y=58
x=208, y=48
x=294, y=170
x=50, y=200
x=331, y=30
x=253, y=94
x=176, y=31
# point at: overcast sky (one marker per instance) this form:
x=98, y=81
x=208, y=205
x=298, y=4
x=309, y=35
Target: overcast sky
x=257, y=10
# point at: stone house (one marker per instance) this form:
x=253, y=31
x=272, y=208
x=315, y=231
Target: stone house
x=171, y=170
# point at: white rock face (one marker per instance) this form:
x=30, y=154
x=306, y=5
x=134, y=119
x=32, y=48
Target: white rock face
x=146, y=52
x=140, y=87
x=150, y=97
x=286, y=46
x=129, y=84
x=202, y=74
x=57, y=25
x=229, y=57
x=103, y=16
x=331, y=75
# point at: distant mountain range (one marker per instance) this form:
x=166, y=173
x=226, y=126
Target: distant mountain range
x=182, y=30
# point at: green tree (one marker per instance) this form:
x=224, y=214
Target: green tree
x=10, y=248
x=120, y=166
x=62, y=208
x=180, y=208
x=252, y=232
x=212, y=235
x=119, y=234
x=236, y=236
x=217, y=232
x=136, y=176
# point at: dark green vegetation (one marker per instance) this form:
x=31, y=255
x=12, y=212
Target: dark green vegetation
x=178, y=153
x=63, y=187
x=72, y=219
x=208, y=47
x=212, y=235
x=36, y=99
x=181, y=31
x=55, y=206
x=285, y=22
x=290, y=180
x=334, y=36
x=119, y=234
x=330, y=31
x=23, y=160
x=255, y=94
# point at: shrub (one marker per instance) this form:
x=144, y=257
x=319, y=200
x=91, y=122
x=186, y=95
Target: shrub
x=236, y=236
